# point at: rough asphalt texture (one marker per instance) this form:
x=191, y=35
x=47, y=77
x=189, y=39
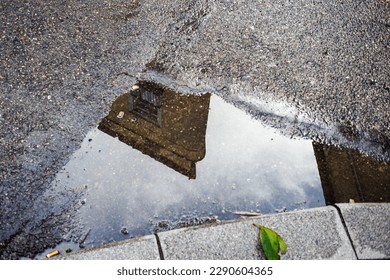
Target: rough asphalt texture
x=313, y=68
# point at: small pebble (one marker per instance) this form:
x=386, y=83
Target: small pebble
x=124, y=231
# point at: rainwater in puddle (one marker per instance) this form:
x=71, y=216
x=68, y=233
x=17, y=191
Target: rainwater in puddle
x=161, y=160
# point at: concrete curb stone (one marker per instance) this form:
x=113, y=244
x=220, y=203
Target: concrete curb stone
x=369, y=228
x=144, y=248
x=309, y=234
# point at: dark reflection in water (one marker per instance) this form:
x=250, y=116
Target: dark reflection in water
x=142, y=181
x=347, y=174
x=165, y=125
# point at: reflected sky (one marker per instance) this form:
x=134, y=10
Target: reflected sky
x=247, y=167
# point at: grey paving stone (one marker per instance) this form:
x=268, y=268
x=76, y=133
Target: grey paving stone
x=369, y=227
x=144, y=248
x=309, y=234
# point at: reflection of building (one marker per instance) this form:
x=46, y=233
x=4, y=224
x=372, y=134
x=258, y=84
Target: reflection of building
x=347, y=174
x=168, y=126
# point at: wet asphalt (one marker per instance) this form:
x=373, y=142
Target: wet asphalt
x=317, y=69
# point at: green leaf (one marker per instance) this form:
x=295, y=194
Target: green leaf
x=272, y=243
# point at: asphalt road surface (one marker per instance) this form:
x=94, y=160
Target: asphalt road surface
x=313, y=68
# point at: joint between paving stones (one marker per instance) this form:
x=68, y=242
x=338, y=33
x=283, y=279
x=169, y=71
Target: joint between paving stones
x=346, y=229
x=160, y=251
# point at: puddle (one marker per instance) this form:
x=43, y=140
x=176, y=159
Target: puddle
x=160, y=160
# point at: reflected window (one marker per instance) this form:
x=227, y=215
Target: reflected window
x=146, y=104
